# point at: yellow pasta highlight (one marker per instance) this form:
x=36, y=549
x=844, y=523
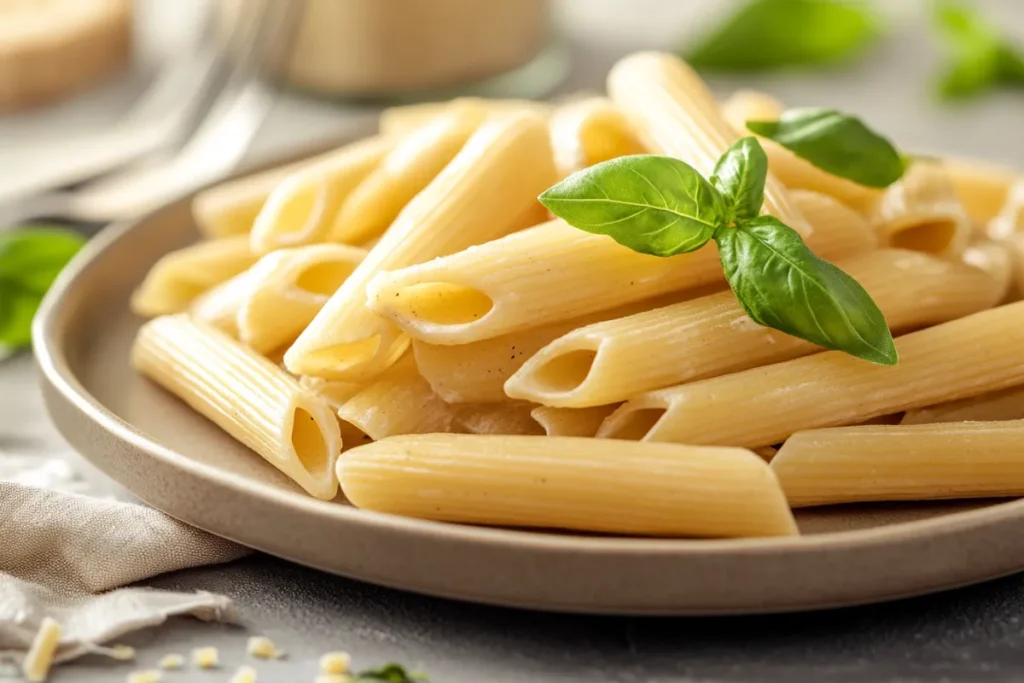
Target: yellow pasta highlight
x=569, y=483
x=246, y=395
x=302, y=209
x=405, y=119
x=488, y=190
x=905, y=462
x=617, y=359
x=590, y=131
x=178, y=278
x=1006, y=404
x=676, y=115
x=921, y=212
x=981, y=187
x=404, y=173
x=832, y=388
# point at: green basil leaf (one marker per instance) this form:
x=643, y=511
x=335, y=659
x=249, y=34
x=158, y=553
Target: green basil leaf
x=33, y=257
x=835, y=142
x=651, y=204
x=16, y=322
x=740, y=175
x=784, y=285
x=981, y=59
x=389, y=673
x=773, y=34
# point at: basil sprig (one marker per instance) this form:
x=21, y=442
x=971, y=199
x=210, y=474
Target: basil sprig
x=389, y=673
x=30, y=260
x=779, y=282
x=980, y=57
x=835, y=142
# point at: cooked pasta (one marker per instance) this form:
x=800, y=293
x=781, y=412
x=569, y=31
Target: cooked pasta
x=510, y=284
x=966, y=357
x=590, y=131
x=614, y=360
x=980, y=186
x=1009, y=221
x=178, y=278
x=995, y=258
x=571, y=421
x=792, y=171
x=219, y=306
x=921, y=212
x=245, y=395
x=488, y=190
x=302, y=208
x=569, y=483
x=404, y=119
x=498, y=418
x=1006, y=404
x=333, y=391
x=905, y=462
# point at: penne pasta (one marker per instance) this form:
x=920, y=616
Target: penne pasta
x=617, y=359
x=488, y=190
x=571, y=421
x=218, y=307
x=1010, y=219
x=921, y=212
x=1006, y=404
x=404, y=172
x=676, y=115
x=177, y=279
x=335, y=393
x=966, y=357
x=981, y=187
x=498, y=418
x=905, y=462
x=588, y=132
x=404, y=119
x=792, y=171
x=302, y=208
x=569, y=483
x=510, y=284
x=246, y=395
x=398, y=402
x=997, y=261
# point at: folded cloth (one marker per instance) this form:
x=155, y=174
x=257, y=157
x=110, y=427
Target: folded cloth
x=62, y=553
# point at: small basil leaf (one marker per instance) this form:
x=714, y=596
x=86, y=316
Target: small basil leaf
x=32, y=257
x=784, y=285
x=651, y=204
x=389, y=673
x=739, y=177
x=772, y=34
x=16, y=324
x=835, y=142
x=981, y=59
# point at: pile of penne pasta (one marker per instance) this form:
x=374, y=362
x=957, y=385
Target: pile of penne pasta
x=401, y=316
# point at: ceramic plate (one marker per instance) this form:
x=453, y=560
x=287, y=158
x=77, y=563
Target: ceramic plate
x=178, y=462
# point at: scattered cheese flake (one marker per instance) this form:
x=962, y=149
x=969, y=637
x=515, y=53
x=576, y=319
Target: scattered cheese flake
x=171, y=661
x=262, y=647
x=36, y=666
x=205, y=657
x=335, y=662
x=146, y=676
x=245, y=674
x=123, y=653
x=333, y=678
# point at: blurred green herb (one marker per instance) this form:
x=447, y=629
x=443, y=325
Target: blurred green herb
x=30, y=260
x=772, y=34
x=389, y=673
x=980, y=58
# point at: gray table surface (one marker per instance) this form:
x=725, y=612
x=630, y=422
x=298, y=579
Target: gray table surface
x=973, y=634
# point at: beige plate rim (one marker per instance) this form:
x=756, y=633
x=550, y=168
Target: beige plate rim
x=95, y=430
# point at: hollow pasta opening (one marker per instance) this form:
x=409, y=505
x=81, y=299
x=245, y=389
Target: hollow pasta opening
x=933, y=237
x=340, y=356
x=308, y=443
x=301, y=209
x=442, y=303
x=324, y=278
x=566, y=372
x=634, y=425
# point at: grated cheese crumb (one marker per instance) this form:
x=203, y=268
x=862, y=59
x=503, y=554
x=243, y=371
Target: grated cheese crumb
x=122, y=653
x=205, y=657
x=146, y=676
x=262, y=647
x=36, y=666
x=171, y=661
x=245, y=674
x=335, y=662
x=333, y=678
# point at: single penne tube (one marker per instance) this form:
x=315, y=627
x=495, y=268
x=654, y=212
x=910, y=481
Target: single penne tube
x=614, y=360
x=218, y=307
x=371, y=207
x=981, y=187
x=335, y=392
x=246, y=395
x=996, y=259
x=404, y=119
x=554, y=272
x=489, y=189
x=399, y=401
x=792, y=171
x=921, y=212
x=303, y=207
x=287, y=288
x=497, y=418
x=904, y=462
x=1005, y=404
x=178, y=278
x=675, y=114
x=590, y=131
x=571, y=421
x=569, y=483
x=1009, y=221
x=764, y=406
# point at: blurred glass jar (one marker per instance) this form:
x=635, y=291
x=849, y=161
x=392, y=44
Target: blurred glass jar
x=416, y=49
